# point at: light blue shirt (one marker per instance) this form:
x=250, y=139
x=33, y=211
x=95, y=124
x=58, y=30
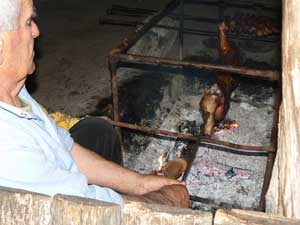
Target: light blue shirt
x=35, y=155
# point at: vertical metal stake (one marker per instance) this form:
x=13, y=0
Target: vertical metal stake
x=271, y=155
x=181, y=29
x=114, y=92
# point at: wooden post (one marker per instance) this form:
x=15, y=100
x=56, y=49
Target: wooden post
x=283, y=196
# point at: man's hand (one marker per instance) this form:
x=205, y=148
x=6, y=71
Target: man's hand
x=177, y=195
x=171, y=195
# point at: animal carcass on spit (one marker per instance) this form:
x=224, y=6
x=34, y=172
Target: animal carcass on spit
x=215, y=102
x=250, y=24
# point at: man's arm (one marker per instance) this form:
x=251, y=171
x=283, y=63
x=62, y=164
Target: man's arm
x=105, y=173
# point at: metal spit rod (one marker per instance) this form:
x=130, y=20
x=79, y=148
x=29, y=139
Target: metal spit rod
x=172, y=63
x=211, y=143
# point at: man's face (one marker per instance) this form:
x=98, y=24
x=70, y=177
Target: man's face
x=18, y=45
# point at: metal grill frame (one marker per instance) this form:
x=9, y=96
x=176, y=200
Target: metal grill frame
x=119, y=55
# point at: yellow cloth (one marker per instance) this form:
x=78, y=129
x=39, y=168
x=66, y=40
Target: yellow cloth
x=61, y=119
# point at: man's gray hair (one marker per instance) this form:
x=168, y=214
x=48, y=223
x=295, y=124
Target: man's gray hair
x=9, y=14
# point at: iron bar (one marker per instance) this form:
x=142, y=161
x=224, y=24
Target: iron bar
x=203, y=141
x=181, y=29
x=130, y=9
x=189, y=151
x=172, y=15
x=271, y=155
x=190, y=31
x=278, y=97
x=212, y=203
x=113, y=61
x=231, y=4
x=142, y=11
x=189, y=154
x=129, y=14
x=132, y=39
x=266, y=183
x=164, y=62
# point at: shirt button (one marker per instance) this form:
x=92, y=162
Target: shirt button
x=23, y=114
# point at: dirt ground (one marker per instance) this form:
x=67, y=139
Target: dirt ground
x=72, y=51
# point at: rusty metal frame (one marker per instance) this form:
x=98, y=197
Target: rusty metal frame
x=181, y=16
x=119, y=55
x=189, y=31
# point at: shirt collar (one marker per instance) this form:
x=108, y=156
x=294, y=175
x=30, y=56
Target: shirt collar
x=19, y=112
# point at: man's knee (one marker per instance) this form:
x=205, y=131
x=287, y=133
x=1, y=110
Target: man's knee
x=99, y=136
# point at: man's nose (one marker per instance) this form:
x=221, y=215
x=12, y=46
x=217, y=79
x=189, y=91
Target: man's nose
x=35, y=30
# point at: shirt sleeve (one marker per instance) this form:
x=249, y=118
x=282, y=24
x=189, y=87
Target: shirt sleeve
x=64, y=135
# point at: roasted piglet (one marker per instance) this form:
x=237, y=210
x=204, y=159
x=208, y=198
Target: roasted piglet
x=215, y=102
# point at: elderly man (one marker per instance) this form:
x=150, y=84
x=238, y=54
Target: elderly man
x=38, y=156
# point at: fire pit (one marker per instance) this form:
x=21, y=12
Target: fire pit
x=209, y=175
x=230, y=169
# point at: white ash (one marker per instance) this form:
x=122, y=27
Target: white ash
x=207, y=177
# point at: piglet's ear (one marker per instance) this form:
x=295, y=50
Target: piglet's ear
x=1, y=51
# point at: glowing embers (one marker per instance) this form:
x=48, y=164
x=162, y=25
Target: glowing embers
x=226, y=125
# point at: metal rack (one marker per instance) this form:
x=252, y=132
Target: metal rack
x=118, y=56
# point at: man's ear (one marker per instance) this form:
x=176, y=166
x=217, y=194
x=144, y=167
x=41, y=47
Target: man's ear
x=1, y=51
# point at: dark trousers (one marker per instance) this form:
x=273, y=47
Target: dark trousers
x=99, y=136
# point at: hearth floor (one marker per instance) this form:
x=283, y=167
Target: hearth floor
x=207, y=177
